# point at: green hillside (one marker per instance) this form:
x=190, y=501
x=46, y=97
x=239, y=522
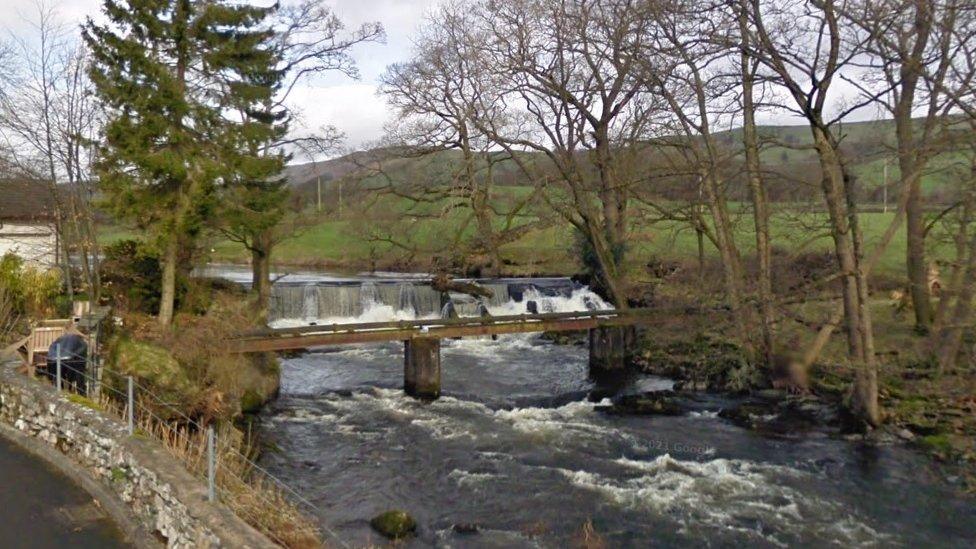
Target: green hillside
x=359, y=227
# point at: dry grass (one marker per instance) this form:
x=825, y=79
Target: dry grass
x=248, y=492
x=219, y=380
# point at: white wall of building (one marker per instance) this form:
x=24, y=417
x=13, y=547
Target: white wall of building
x=36, y=244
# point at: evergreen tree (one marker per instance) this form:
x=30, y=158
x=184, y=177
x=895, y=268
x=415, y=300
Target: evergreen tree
x=254, y=209
x=188, y=88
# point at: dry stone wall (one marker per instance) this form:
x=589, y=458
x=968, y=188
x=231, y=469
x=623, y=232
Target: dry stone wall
x=161, y=494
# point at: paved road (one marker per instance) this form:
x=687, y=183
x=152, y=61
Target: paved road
x=40, y=507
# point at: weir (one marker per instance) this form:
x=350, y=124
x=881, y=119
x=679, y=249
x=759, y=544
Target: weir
x=383, y=299
x=411, y=311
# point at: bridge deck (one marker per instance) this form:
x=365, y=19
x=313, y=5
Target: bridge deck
x=279, y=339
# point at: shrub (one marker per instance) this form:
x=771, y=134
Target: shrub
x=131, y=273
x=31, y=290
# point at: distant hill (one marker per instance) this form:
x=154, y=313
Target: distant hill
x=307, y=173
x=869, y=145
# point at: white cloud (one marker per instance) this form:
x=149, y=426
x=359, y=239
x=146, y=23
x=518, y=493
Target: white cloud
x=350, y=105
x=353, y=108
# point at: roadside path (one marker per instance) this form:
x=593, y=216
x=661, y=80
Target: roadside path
x=41, y=508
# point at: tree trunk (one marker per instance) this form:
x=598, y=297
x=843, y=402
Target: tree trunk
x=609, y=269
x=865, y=398
x=917, y=267
x=910, y=164
x=261, y=273
x=950, y=337
x=731, y=261
x=167, y=300
x=838, y=195
x=949, y=328
x=760, y=204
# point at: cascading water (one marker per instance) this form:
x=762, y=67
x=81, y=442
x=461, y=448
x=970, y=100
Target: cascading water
x=407, y=298
x=368, y=296
x=310, y=303
x=375, y=301
x=516, y=448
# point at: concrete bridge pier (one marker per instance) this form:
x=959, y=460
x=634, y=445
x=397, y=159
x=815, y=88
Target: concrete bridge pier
x=422, y=368
x=611, y=348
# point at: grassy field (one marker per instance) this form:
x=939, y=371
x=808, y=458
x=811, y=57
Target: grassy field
x=338, y=237
x=339, y=242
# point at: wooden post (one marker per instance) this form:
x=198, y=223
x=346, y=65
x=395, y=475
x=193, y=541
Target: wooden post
x=610, y=348
x=422, y=368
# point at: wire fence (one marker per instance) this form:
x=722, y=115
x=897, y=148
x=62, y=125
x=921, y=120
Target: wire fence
x=251, y=491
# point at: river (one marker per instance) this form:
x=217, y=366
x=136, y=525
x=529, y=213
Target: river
x=519, y=449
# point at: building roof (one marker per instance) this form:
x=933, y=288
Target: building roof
x=26, y=200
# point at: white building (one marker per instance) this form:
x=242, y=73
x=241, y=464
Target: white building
x=27, y=221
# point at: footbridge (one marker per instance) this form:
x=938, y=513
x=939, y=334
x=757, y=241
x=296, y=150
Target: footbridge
x=611, y=337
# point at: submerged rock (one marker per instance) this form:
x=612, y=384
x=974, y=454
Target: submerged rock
x=661, y=403
x=465, y=528
x=394, y=524
x=566, y=338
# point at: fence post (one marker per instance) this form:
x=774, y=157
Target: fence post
x=211, y=465
x=57, y=357
x=132, y=405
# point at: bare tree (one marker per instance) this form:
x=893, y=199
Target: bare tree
x=806, y=46
x=954, y=314
x=573, y=95
x=749, y=68
x=908, y=56
x=49, y=122
x=444, y=97
x=694, y=81
x=26, y=105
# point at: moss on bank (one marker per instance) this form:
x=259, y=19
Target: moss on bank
x=703, y=361
x=188, y=367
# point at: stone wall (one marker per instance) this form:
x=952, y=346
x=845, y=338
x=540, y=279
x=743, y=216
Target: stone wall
x=164, y=499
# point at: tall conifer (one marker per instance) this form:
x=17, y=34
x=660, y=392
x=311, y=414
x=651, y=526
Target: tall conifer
x=187, y=85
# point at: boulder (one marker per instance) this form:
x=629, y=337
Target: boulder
x=465, y=528
x=660, y=403
x=394, y=524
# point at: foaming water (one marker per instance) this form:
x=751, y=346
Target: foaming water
x=518, y=449
x=377, y=300
x=534, y=475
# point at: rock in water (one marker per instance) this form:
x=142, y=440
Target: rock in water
x=532, y=307
x=394, y=524
x=466, y=528
x=653, y=403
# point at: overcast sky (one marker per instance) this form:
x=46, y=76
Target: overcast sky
x=351, y=105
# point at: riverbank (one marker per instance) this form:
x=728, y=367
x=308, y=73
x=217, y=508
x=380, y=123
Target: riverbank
x=931, y=413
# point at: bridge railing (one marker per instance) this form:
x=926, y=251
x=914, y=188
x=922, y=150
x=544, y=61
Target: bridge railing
x=448, y=322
